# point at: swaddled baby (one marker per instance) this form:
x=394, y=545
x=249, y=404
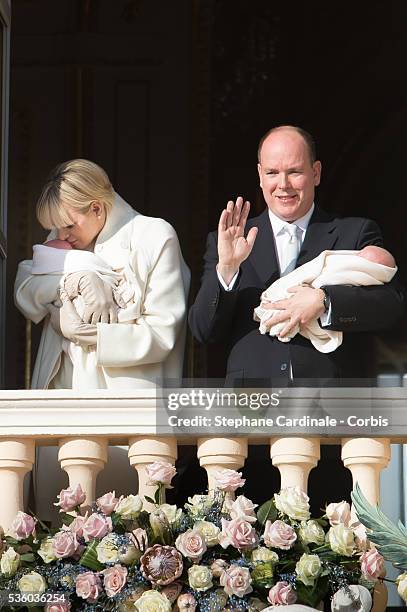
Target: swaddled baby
x=370, y=266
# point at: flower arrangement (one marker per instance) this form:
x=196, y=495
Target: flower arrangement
x=217, y=553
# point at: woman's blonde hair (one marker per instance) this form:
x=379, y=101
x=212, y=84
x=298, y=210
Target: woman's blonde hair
x=74, y=184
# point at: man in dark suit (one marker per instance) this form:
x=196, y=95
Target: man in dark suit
x=245, y=256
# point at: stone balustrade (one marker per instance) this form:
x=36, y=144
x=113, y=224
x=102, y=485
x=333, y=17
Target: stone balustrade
x=83, y=426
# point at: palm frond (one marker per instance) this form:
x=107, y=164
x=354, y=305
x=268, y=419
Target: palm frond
x=391, y=539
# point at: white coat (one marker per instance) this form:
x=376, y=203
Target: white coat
x=149, y=347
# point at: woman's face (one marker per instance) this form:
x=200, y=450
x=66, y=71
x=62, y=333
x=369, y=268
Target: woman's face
x=85, y=228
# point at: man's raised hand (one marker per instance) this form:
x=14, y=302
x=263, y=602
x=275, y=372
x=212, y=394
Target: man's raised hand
x=233, y=246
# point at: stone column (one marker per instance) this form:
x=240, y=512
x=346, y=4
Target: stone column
x=295, y=458
x=82, y=459
x=17, y=457
x=366, y=458
x=219, y=453
x=146, y=450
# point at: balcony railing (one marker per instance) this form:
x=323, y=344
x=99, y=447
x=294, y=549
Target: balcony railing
x=83, y=425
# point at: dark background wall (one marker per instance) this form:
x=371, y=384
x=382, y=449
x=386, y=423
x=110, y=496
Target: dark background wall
x=171, y=99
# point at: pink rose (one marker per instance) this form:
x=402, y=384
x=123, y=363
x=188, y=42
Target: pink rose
x=371, y=564
x=228, y=480
x=279, y=535
x=139, y=538
x=171, y=591
x=77, y=525
x=88, y=586
x=361, y=541
x=238, y=533
x=236, y=581
x=282, y=594
x=191, y=544
x=70, y=498
x=107, y=503
x=114, y=579
x=160, y=472
x=58, y=607
x=64, y=544
x=186, y=601
x=97, y=526
x=338, y=512
x=244, y=508
x=23, y=526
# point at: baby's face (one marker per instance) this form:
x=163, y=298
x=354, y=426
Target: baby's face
x=59, y=244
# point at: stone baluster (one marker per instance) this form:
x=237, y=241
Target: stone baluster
x=219, y=453
x=145, y=450
x=16, y=459
x=82, y=459
x=295, y=458
x=366, y=458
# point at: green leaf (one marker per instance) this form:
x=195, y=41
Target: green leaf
x=150, y=499
x=391, y=539
x=67, y=519
x=28, y=557
x=157, y=495
x=312, y=596
x=89, y=558
x=267, y=512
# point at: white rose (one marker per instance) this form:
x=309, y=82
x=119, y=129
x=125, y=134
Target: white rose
x=172, y=513
x=208, y=531
x=401, y=582
x=46, y=550
x=32, y=583
x=338, y=512
x=264, y=554
x=10, y=562
x=107, y=550
x=198, y=503
x=200, y=577
x=293, y=502
x=308, y=569
x=129, y=507
x=153, y=601
x=341, y=540
x=311, y=532
x=244, y=508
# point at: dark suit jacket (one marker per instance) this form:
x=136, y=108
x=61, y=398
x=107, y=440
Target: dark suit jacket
x=221, y=316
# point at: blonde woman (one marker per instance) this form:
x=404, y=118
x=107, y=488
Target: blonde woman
x=78, y=204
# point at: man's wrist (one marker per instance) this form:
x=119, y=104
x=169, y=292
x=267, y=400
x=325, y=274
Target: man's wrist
x=326, y=300
x=226, y=272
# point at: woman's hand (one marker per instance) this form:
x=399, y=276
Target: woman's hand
x=97, y=295
x=72, y=326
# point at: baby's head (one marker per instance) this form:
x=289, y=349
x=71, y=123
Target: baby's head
x=59, y=244
x=378, y=255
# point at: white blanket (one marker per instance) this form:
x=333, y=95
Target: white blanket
x=329, y=268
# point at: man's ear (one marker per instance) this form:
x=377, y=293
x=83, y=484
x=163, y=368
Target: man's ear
x=317, y=169
x=259, y=171
x=97, y=207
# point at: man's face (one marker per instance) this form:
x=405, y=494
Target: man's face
x=287, y=177
x=85, y=228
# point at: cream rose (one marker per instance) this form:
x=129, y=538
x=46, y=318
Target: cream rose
x=46, y=550
x=308, y=569
x=208, y=531
x=338, y=512
x=341, y=540
x=9, y=562
x=200, y=577
x=401, y=582
x=32, y=583
x=311, y=532
x=107, y=550
x=172, y=513
x=198, y=503
x=129, y=507
x=293, y=502
x=264, y=554
x=152, y=601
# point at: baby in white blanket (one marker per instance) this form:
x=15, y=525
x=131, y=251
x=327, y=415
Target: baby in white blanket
x=58, y=257
x=371, y=266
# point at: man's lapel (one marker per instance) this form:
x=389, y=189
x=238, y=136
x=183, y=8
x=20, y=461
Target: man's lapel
x=263, y=257
x=321, y=235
